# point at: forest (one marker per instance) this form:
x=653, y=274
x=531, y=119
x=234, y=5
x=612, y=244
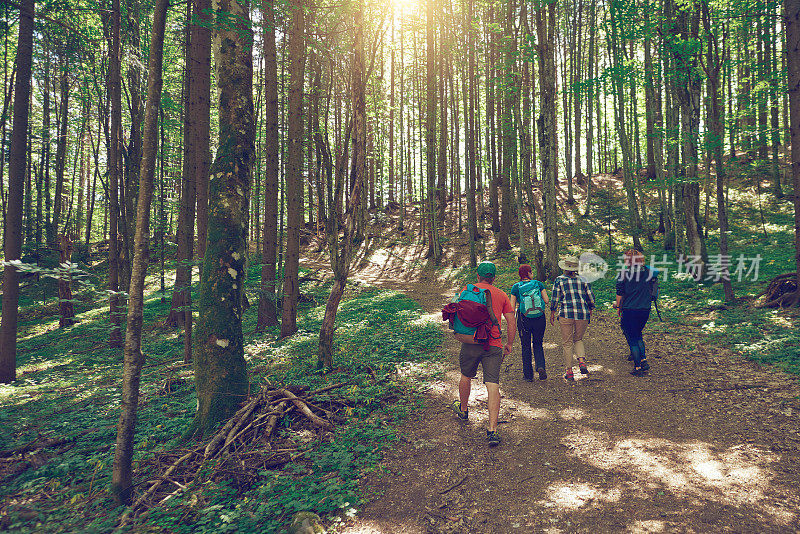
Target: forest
x=229, y=230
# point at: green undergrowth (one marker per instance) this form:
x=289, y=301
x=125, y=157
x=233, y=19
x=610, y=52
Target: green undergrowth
x=69, y=387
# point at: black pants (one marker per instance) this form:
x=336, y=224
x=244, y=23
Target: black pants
x=632, y=323
x=531, y=334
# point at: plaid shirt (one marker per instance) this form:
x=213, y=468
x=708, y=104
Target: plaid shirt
x=573, y=297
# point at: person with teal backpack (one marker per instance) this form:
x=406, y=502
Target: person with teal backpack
x=475, y=318
x=529, y=298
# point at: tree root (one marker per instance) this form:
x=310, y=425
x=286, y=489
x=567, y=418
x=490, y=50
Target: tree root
x=782, y=292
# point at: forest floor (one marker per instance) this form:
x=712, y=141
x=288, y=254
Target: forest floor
x=707, y=442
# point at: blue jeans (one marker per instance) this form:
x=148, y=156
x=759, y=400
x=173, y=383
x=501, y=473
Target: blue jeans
x=632, y=324
x=531, y=335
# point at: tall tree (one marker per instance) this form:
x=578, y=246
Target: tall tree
x=267, y=311
x=713, y=66
x=219, y=365
x=434, y=248
x=510, y=92
x=114, y=171
x=548, y=137
x=340, y=249
x=16, y=184
x=791, y=18
x=294, y=169
x=134, y=358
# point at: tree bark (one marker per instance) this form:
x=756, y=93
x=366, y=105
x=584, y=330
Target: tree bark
x=791, y=14
x=114, y=171
x=294, y=167
x=548, y=137
x=341, y=252
x=219, y=365
x=267, y=310
x=16, y=184
x=134, y=358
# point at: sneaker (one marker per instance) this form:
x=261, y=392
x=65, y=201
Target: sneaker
x=583, y=368
x=462, y=414
x=569, y=375
x=630, y=357
x=644, y=365
x=492, y=438
x=542, y=373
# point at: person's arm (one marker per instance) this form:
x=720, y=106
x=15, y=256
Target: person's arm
x=554, y=301
x=620, y=296
x=512, y=333
x=590, y=296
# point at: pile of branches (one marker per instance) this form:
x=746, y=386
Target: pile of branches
x=782, y=292
x=245, y=445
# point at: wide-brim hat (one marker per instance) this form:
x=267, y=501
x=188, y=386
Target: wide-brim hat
x=569, y=263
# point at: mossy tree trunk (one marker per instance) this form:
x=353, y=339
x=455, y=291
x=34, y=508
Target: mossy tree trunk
x=219, y=366
x=134, y=358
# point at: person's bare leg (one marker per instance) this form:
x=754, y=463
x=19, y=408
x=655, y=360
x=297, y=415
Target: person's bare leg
x=464, y=388
x=494, y=404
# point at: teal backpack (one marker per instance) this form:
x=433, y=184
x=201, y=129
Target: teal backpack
x=474, y=294
x=531, y=302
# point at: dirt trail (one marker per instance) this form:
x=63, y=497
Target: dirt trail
x=707, y=443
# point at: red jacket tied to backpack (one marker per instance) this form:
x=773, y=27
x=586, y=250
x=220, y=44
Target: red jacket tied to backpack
x=473, y=315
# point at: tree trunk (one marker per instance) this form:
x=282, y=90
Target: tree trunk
x=181, y=289
x=294, y=169
x=219, y=365
x=16, y=184
x=714, y=64
x=548, y=137
x=341, y=252
x=434, y=249
x=267, y=311
x=114, y=171
x=134, y=358
x=510, y=89
x=791, y=14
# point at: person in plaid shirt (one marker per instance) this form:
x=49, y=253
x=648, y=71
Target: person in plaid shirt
x=574, y=301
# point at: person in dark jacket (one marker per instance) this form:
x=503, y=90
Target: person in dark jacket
x=635, y=289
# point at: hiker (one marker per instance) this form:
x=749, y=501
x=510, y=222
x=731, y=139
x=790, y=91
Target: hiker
x=573, y=299
x=637, y=286
x=529, y=298
x=488, y=352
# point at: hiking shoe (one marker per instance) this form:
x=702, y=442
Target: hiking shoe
x=569, y=376
x=644, y=365
x=462, y=414
x=542, y=373
x=630, y=357
x=639, y=372
x=492, y=438
x=583, y=368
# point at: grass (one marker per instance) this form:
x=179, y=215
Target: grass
x=69, y=382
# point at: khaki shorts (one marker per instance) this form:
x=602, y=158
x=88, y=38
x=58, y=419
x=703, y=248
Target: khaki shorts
x=472, y=355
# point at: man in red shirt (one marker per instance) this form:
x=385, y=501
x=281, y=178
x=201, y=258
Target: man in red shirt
x=473, y=354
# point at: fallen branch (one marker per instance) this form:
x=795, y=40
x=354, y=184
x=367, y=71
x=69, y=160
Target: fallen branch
x=454, y=486
x=305, y=410
x=124, y=519
x=35, y=445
